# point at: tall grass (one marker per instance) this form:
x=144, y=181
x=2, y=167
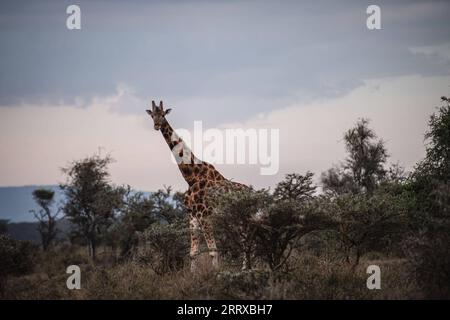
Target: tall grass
x=310, y=277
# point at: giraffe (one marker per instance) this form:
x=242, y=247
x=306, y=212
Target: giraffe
x=201, y=177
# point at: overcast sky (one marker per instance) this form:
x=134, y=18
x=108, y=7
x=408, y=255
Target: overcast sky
x=307, y=68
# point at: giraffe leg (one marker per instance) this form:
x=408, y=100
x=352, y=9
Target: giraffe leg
x=246, y=261
x=210, y=242
x=246, y=252
x=194, y=228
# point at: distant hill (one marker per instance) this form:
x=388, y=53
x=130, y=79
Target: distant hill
x=28, y=230
x=16, y=202
x=15, y=206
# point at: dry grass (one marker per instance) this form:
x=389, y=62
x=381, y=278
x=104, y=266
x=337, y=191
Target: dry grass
x=312, y=277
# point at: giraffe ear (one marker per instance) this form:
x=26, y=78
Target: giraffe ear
x=149, y=112
x=167, y=111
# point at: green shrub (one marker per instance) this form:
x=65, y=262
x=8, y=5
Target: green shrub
x=164, y=246
x=16, y=258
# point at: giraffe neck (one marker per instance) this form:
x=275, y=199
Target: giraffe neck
x=179, y=148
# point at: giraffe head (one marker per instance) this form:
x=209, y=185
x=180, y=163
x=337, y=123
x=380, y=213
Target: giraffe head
x=158, y=114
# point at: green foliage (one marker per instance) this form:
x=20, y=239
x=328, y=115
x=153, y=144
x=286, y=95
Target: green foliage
x=363, y=168
x=92, y=201
x=137, y=215
x=429, y=257
x=283, y=227
x=438, y=136
x=289, y=216
x=434, y=170
x=236, y=222
x=366, y=222
x=366, y=157
x=168, y=208
x=266, y=227
x=157, y=226
x=337, y=180
x=16, y=258
x=428, y=246
x=278, y=231
x=366, y=202
x=295, y=187
x=164, y=246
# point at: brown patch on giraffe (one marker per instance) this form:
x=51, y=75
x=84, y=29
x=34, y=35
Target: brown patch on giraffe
x=197, y=197
x=186, y=170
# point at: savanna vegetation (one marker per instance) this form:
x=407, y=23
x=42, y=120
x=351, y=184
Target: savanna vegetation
x=298, y=241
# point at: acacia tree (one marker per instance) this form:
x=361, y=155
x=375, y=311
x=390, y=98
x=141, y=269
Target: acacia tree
x=286, y=219
x=295, y=187
x=364, y=167
x=47, y=220
x=366, y=216
x=366, y=222
x=283, y=225
x=91, y=199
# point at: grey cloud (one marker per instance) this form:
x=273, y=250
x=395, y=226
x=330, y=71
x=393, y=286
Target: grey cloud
x=223, y=60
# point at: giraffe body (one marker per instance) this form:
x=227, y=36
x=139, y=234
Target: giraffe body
x=201, y=177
